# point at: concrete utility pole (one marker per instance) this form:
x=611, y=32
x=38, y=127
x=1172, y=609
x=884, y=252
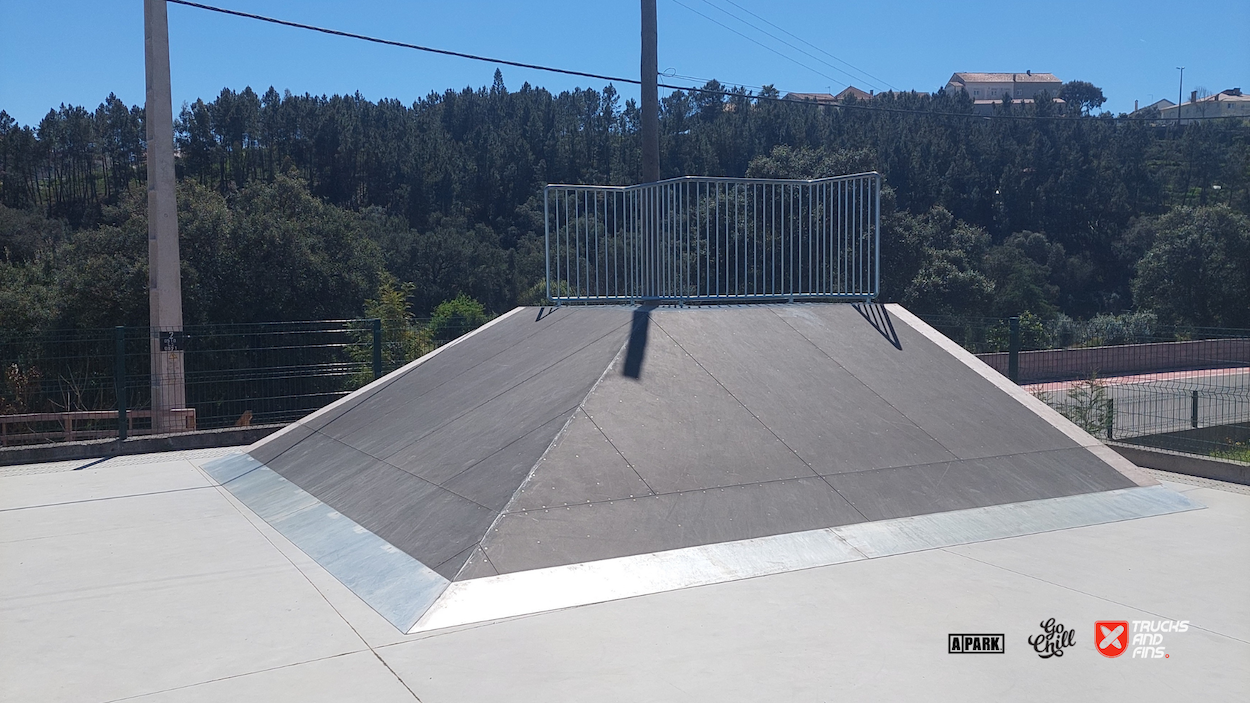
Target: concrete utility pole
x=650, y=96
x=164, y=274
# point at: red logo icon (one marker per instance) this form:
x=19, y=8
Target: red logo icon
x=1111, y=637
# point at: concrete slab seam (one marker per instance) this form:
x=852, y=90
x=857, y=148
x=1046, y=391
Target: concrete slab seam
x=1044, y=411
x=556, y=588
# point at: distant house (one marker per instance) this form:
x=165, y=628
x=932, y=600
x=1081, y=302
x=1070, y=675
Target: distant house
x=988, y=89
x=1156, y=105
x=1228, y=103
x=830, y=99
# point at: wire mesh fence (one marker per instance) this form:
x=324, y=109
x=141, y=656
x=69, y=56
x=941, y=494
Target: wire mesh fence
x=66, y=385
x=1180, y=388
x=1130, y=379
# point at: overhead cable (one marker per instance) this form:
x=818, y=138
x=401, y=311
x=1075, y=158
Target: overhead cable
x=817, y=48
x=634, y=81
x=404, y=45
x=783, y=41
x=756, y=41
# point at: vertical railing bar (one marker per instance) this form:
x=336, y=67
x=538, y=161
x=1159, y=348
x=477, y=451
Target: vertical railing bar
x=812, y=249
x=842, y=260
x=716, y=204
x=876, y=248
x=616, y=257
x=598, y=287
x=850, y=242
x=825, y=283
x=698, y=252
x=577, y=241
x=859, y=237
x=661, y=243
x=567, y=244
x=787, y=220
x=855, y=236
x=547, y=237
x=774, y=247
x=685, y=229
x=737, y=249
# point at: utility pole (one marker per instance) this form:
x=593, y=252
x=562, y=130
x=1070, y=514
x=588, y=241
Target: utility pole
x=164, y=274
x=1180, y=92
x=650, y=96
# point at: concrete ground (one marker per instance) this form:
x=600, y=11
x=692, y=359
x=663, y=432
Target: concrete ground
x=140, y=579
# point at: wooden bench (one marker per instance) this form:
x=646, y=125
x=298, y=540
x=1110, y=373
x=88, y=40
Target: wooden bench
x=184, y=422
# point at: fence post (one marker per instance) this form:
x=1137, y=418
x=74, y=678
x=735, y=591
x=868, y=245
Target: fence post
x=1013, y=350
x=1110, y=418
x=377, y=348
x=1193, y=411
x=119, y=379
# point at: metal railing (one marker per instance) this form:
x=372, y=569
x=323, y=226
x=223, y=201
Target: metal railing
x=698, y=239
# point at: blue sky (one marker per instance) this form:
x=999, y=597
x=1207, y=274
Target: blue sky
x=77, y=51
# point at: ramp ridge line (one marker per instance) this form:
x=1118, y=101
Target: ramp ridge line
x=529, y=477
x=496, y=396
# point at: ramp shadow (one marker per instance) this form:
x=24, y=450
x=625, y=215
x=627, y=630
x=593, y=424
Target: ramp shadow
x=637, y=342
x=879, y=318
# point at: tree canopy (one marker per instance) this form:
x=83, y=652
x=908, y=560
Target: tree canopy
x=294, y=206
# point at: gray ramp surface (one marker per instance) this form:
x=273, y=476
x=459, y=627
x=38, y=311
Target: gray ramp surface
x=554, y=438
x=429, y=459
x=740, y=422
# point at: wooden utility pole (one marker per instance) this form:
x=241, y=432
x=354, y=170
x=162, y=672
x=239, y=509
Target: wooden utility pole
x=164, y=274
x=1180, y=96
x=650, y=96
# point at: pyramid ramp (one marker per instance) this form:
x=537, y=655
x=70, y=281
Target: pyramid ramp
x=560, y=457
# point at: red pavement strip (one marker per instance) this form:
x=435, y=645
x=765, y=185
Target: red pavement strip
x=1139, y=378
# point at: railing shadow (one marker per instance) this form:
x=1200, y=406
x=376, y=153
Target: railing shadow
x=879, y=318
x=637, y=348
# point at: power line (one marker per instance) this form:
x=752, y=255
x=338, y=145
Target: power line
x=633, y=81
x=783, y=41
x=801, y=39
x=756, y=41
x=400, y=44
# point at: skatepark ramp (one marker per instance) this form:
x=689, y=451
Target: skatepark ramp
x=558, y=457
